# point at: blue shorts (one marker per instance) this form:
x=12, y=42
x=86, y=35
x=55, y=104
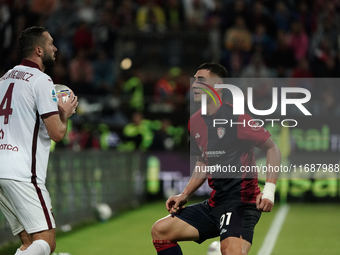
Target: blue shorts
x=226, y=220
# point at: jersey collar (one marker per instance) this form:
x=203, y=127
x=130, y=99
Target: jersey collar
x=26, y=62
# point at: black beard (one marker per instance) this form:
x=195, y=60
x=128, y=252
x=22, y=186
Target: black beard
x=48, y=62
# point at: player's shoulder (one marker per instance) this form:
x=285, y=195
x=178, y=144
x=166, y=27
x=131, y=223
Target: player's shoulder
x=43, y=79
x=196, y=115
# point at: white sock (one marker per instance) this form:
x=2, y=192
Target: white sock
x=38, y=247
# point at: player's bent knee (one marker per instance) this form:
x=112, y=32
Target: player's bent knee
x=159, y=230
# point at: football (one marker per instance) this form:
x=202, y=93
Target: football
x=63, y=90
x=214, y=248
x=103, y=212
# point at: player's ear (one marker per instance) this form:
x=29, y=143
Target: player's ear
x=38, y=50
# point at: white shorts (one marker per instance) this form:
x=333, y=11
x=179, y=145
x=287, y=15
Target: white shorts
x=26, y=206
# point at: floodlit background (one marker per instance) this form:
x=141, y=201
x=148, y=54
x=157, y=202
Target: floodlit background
x=130, y=64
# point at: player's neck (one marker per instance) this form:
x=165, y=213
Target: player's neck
x=37, y=61
x=212, y=108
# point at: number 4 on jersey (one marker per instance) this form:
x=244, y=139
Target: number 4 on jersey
x=6, y=110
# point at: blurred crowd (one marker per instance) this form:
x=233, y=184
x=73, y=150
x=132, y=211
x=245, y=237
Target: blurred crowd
x=251, y=38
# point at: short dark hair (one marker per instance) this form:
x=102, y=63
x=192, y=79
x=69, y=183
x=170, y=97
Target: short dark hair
x=216, y=69
x=29, y=39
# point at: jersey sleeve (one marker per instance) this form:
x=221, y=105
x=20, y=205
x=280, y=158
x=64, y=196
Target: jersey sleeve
x=194, y=150
x=45, y=97
x=251, y=131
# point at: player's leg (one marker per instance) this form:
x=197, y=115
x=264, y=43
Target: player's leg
x=235, y=246
x=192, y=223
x=31, y=205
x=43, y=243
x=237, y=229
x=16, y=227
x=167, y=231
x=26, y=240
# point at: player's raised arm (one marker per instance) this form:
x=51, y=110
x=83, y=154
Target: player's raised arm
x=265, y=200
x=57, y=124
x=175, y=203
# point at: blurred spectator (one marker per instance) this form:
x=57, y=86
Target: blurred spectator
x=283, y=55
x=86, y=12
x=150, y=17
x=164, y=89
x=282, y=16
x=326, y=31
x=134, y=88
x=238, y=9
x=108, y=139
x=61, y=25
x=329, y=12
x=167, y=137
x=174, y=14
x=298, y=40
x=6, y=32
x=162, y=139
x=323, y=63
x=81, y=73
x=104, y=33
x=103, y=73
x=256, y=68
x=88, y=137
x=40, y=11
x=196, y=13
x=302, y=70
x=138, y=134
x=215, y=38
x=238, y=37
x=107, y=6
x=60, y=71
x=261, y=15
x=306, y=17
x=83, y=38
x=126, y=15
x=261, y=38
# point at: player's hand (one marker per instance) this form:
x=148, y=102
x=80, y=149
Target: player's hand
x=69, y=107
x=175, y=203
x=263, y=205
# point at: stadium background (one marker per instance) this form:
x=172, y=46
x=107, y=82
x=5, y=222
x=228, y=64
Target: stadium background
x=130, y=63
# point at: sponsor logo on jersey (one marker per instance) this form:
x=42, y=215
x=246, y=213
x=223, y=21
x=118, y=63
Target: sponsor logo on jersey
x=210, y=154
x=221, y=132
x=54, y=95
x=254, y=125
x=197, y=135
x=8, y=147
x=223, y=231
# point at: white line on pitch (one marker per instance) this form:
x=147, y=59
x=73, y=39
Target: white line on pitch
x=274, y=230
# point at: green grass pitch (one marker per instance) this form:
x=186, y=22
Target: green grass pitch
x=308, y=229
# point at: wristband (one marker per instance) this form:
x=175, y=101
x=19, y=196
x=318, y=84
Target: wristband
x=269, y=191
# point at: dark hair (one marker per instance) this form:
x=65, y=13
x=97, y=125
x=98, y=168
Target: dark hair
x=216, y=69
x=29, y=39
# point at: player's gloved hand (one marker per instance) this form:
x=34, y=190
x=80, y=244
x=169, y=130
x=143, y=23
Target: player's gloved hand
x=175, y=203
x=265, y=200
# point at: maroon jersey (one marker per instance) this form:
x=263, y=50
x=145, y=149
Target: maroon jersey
x=231, y=147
